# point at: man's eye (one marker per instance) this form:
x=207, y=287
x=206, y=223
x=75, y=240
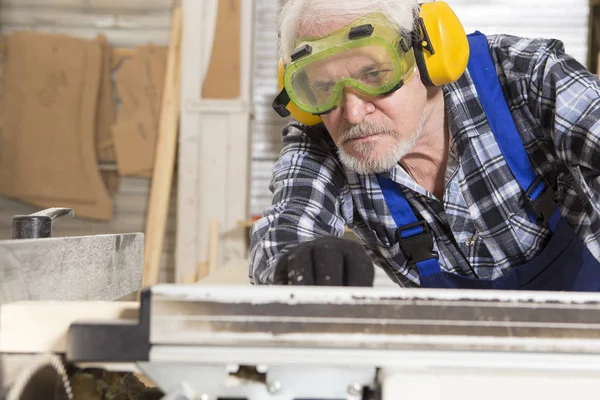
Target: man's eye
x=323, y=87
x=372, y=75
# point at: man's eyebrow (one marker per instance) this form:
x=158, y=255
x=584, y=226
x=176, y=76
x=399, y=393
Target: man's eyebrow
x=320, y=84
x=367, y=68
x=371, y=67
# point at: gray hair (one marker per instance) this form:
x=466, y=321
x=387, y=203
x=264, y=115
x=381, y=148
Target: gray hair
x=316, y=14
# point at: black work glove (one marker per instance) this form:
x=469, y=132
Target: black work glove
x=326, y=261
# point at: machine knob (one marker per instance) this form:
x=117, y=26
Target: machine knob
x=38, y=224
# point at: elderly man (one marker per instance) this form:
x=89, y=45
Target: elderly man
x=459, y=161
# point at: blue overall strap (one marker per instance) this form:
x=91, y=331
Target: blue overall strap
x=414, y=237
x=483, y=73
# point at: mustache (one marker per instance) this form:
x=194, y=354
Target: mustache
x=363, y=130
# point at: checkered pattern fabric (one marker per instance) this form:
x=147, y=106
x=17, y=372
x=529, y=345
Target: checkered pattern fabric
x=481, y=228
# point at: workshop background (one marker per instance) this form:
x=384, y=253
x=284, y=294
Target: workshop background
x=98, y=129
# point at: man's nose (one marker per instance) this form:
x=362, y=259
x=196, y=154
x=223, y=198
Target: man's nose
x=354, y=107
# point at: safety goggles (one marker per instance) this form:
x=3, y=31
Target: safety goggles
x=368, y=55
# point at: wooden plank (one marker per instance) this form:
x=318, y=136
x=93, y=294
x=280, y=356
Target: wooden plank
x=188, y=168
x=222, y=79
x=41, y=327
x=165, y=158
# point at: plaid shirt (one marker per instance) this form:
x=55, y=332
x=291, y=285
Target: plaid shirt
x=481, y=226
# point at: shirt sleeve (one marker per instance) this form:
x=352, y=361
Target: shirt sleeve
x=308, y=187
x=564, y=98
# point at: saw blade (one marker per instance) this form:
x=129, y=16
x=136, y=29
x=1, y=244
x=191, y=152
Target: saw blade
x=44, y=378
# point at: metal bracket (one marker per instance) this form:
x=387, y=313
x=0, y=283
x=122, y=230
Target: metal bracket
x=304, y=382
x=190, y=380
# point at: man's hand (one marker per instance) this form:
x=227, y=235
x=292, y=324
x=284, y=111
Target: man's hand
x=327, y=261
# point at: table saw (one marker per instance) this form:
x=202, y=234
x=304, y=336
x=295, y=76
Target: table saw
x=226, y=342
x=292, y=343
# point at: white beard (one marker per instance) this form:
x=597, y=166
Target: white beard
x=366, y=161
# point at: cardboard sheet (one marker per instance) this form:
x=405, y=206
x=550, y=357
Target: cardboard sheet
x=49, y=104
x=139, y=81
x=223, y=77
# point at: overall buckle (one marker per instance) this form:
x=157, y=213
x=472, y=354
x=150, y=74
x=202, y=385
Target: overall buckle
x=544, y=206
x=419, y=247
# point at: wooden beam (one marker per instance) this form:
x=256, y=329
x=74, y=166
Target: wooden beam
x=42, y=326
x=164, y=163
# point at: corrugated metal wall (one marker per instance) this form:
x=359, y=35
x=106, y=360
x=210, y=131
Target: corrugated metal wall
x=534, y=18
x=126, y=23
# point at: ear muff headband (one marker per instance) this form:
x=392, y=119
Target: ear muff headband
x=441, y=50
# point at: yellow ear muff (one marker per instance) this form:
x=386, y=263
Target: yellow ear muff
x=301, y=116
x=442, y=50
